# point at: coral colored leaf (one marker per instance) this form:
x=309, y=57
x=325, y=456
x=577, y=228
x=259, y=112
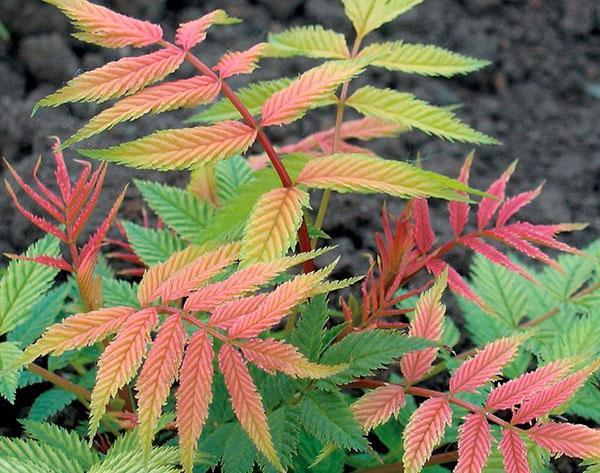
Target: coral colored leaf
x=512, y=205
x=377, y=406
x=78, y=331
x=273, y=223
x=226, y=315
x=272, y=356
x=243, y=281
x=125, y=76
x=239, y=62
x=489, y=205
x=277, y=305
x=423, y=431
x=455, y=281
x=120, y=361
x=180, y=149
x=428, y=323
x=368, y=174
x=514, y=454
x=311, y=41
x=246, y=402
x=194, y=395
x=459, y=211
x=191, y=33
x=160, y=98
x=291, y=103
x=517, y=390
x=196, y=273
x=51, y=261
x=423, y=59
x=405, y=109
x=157, y=376
x=104, y=27
x=368, y=15
x=545, y=234
x=484, y=366
x=567, y=439
x=553, y=396
x=495, y=256
x=474, y=444
x=508, y=237
x=424, y=235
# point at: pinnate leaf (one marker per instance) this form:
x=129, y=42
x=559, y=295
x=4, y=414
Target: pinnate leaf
x=514, y=454
x=474, y=444
x=273, y=224
x=125, y=76
x=377, y=406
x=368, y=174
x=120, y=361
x=405, y=109
x=180, y=149
x=194, y=395
x=157, y=376
x=104, y=27
x=423, y=431
x=311, y=41
x=157, y=99
x=247, y=402
x=484, y=366
x=423, y=59
x=567, y=439
x=291, y=103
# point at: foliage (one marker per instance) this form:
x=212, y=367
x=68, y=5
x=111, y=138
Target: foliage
x=205, y=339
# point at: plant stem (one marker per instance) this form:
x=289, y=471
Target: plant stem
x=339, y=121
x=82, y=394
x=440, y=458
x=263, y=139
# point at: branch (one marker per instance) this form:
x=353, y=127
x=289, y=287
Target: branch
x=81, y=393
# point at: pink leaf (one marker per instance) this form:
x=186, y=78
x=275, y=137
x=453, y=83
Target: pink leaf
x=489, y=205
x=456, y=282
x=512, y=205
x=514, y=455
x=424, y=235
x=474, y=444
x=495, y=256
x=568, y=439
x=377, y=406
x=225, y=315
x=459, y=211
x=509, y=238
x=239, y=62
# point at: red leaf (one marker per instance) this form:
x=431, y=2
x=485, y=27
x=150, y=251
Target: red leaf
x=568, y=439
x=509, y=238
x=495, y=256
x=512, y=205
x=474, y=444
x=514, y=454
x=58, y=263
x=459, y=211
x=456, y=282
x=488, y=205
x=424, y=235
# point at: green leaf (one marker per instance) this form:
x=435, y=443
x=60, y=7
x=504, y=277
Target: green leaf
x=368, y=15
x=228, y=221
x=405, y=109
x=366, y=352
x=43, y=314
x=24, y=282
x=37, y=452
x=284, y=426
x=326, y=416
x=310, y=41
x=309, y=449
x=310, y=330
x=161, y=460
x=231, y=174
x=239, y=453
x=49, y=403
x=420, y=59
x=153, y=246
x=586, y=403
x=180, y=210
x=119, y=292
x=9, y=380
x=14, y=465
x=61, y=439
x=252, y=96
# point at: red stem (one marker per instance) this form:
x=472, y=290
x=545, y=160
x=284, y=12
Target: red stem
x=284, y=177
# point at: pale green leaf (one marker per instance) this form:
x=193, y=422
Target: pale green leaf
x=153, y=246
x=9, y=352
x=311, y=41
x=368, y=15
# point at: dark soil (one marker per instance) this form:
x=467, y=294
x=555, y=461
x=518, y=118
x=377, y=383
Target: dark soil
x=540, y=97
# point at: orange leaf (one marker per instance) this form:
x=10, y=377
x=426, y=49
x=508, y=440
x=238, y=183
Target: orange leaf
x=125, y=76
x=239, y=62
x=377, y=406
x=226, y=315
x=157, y=376
x=120, y=361
x=423, y=432
x=316, y=84
x=191, y=33
x=272, y=355
x=161, y=98
x=246, y=402
x=194, y=395
x=104, y=27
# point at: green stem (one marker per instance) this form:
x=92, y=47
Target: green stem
x=339, y=121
